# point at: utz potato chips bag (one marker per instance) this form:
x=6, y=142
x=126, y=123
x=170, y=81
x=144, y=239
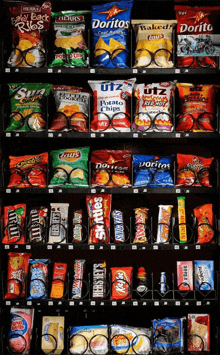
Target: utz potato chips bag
x=70, y=167
x=154, y=43
x=29, y=24
x=70, y=48
x=27, y=101
x=110, y=24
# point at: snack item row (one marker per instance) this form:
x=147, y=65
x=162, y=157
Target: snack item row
x=162, y=335
x=110, y=25
x=30, y=278
x=111, y=112
x=51, y=225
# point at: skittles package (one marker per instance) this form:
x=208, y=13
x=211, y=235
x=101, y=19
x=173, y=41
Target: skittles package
x=193, y=171
x=70, y=48
x=152, y=171
x=20, y=333
x=70, y=167
x=28, y=101
x=29, y=25
x=110, y=28
x=197, y=107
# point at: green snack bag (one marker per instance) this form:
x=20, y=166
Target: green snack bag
x=27, y=102
x=70, y=49
x=70, y=167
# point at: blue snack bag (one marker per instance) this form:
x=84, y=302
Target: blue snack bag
x=152, y=171
x=39, y=278
x=168, y=334
x=110, y=23
x=204, y=275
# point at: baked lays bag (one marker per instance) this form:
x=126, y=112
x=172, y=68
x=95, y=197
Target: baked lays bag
x=197, y=107
x=195, y=21
x=29, y=24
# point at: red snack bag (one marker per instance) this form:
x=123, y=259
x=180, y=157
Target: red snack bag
x=204, y=216
x=29, y=24
x=121, y=282
x=99, y=209
x=197, y=107
x=193, y=171
x=58, y=282
x=14, y=221
x=111, y=168
x=28, y=170
x=195, y=21
x=17, y=272
x=198, y=330
x=20, y=333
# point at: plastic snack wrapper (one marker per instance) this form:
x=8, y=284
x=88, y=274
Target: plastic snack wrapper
x=164, y=222
x=58, y=283
x=37, y=225
x=89, y=339
x=152, y=171
x=14, y=223
x=29, y=26
x=58, y=222
x=154, y=107
x=17, y=274
x=111, y=105
x=168, y=335
x=193, y=170
x=129, y=340
x=198, y=332
x=121, y=279
x=154, y=43
x=99, y=210
x=99, y=280
x=119, y=230
x=204, y=218
x=110, y=24
x=196, y=20
x=77, y=286
x=72, y=108
x=38, y=278
x=28, y=102
x=204, y=275
x=197, y=107
x=185, y=275
x=182, y=219
x=111, y=168
x=28, y=171
x=70, y=167
x=20, y=334
x=52, y=339
x=70, y=48
x=141, y=217
x=77, y=226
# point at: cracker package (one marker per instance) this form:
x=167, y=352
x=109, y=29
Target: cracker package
x=53, y=340
x=70, y=48
x=198, y=329
x=154, y=43
x=70, y=167
x=89, y=339
x=110, y=25
x=28, y=101
x=29, y=25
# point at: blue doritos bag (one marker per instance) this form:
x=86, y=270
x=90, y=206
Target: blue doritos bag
x=152, y=171
x=110, y=25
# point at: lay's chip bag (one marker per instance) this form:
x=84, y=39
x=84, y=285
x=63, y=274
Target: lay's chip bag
x=110, y=24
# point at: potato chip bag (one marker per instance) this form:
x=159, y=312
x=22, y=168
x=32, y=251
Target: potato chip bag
x=154, y=43
x=110, y=24
x=27, y=106
x=70, y=167
x=70, y=48
x=29, y=24
x=204, y=219
x=72, y=108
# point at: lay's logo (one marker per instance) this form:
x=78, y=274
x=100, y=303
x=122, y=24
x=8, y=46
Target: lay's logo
x=154, y=37
x=70, y=155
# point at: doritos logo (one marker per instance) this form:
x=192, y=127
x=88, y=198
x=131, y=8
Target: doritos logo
x=114, y=11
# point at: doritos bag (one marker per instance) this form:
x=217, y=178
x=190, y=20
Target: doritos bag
x=196, y=21
x=29, y=24
x=110, y=25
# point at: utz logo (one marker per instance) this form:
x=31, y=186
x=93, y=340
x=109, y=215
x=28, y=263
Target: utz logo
x=153, y=37
x=70, y=155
